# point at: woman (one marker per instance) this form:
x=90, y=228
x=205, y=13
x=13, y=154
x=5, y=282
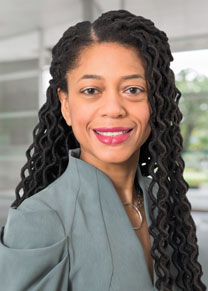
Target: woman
x=102, y=202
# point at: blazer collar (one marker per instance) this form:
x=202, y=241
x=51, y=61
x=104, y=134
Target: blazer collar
x=118, y=225
x=74, y=158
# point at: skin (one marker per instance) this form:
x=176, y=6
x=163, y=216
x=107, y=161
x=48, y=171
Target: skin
x=110, y=103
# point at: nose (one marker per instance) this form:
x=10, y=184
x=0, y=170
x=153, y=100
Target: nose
x=112, y=105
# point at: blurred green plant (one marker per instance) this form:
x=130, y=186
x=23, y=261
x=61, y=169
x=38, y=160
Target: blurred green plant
x=194, y=107
x=195, y=179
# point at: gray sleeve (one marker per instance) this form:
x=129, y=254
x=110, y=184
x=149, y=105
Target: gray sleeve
x=33, y=250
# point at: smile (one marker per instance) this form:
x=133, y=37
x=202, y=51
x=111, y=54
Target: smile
x=113, y=138
x=112, y=133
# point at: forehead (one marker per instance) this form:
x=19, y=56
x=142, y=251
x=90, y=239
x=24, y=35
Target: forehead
x=108, y=57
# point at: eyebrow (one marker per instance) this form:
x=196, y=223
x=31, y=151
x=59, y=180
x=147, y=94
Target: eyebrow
x=97, y=77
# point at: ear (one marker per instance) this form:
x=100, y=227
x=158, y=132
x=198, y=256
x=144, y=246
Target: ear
x=63, y=97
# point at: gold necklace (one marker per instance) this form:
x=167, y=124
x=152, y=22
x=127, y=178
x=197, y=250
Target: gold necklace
x=139, y=204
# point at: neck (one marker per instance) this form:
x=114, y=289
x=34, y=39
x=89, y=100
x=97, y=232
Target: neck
x=122, y=175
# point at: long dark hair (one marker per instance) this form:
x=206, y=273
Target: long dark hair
x=160, y=155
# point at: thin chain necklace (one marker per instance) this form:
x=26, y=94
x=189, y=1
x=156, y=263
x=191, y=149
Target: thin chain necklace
x=139, y=204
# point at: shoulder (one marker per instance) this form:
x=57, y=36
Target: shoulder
x=45, y=216
x=33, y=224
x=58, y=199
x=33, y=241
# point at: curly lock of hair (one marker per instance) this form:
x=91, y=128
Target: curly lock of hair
x=160, y=156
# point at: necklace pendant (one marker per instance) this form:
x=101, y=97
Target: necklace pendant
x=138, y=212
x=139, y=204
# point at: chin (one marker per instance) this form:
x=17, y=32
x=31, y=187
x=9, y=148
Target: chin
x=115, y=157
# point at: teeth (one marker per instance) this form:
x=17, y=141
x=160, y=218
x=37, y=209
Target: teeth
x=111, y=133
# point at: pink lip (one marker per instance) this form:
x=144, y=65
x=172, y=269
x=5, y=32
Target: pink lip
x=113, y=140
x=112, y=129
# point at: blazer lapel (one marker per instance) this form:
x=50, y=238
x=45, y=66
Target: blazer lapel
x=144, y=183
x=129, y=263
x=127, y=251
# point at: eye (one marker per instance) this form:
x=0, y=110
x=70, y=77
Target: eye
x=89, y=91
x=135, y=90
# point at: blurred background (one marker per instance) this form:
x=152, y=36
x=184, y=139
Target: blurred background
x=28, y=31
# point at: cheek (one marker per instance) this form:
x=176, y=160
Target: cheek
x=144, y=117
x=142, y=112
x=80, y=117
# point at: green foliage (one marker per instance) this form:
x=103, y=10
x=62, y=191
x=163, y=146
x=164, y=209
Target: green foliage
x=194, y=107
x=190, y=82
x=195, y=178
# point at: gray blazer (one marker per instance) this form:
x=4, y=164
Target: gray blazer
x=74, y=235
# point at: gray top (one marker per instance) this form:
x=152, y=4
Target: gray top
x=74, y=235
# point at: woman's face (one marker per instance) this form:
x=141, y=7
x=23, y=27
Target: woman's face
x=107, y=89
